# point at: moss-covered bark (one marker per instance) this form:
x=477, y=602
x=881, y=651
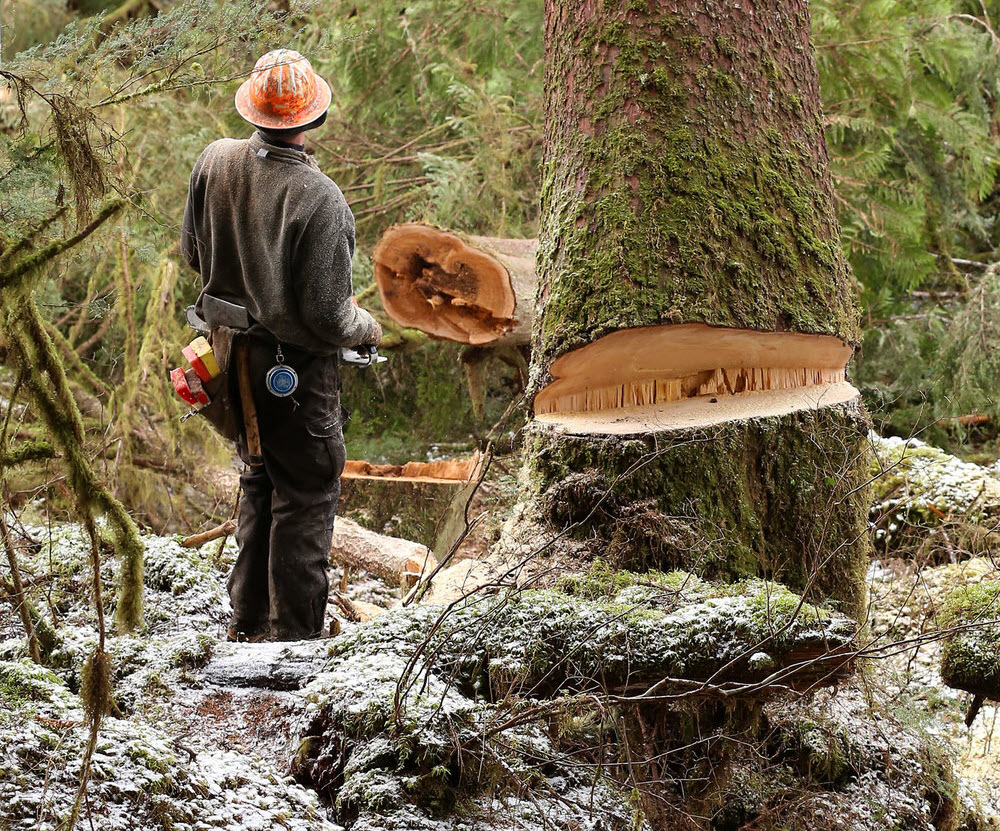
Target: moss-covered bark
x=778, y=497
x=686, y=175
x=686, y=180
x=970, y=659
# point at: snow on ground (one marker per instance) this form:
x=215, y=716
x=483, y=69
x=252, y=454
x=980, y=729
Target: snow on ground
x=199, y=742
x=904, y=600
x=192, y=749
x=917, y=487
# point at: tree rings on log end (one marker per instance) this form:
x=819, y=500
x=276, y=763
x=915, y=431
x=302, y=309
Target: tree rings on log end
x=691, y=375
x=445, y=285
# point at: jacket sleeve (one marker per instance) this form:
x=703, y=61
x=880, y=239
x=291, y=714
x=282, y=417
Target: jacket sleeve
x=189, y=237
x=322, y=277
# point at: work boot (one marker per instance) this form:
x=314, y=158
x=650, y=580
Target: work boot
x=237, y=632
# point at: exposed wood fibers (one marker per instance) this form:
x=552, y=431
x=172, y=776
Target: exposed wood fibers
x=726, y=381
x=460, y=288
x=658, y=366
x=445, y=470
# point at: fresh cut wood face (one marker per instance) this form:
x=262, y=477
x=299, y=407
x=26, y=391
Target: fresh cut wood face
x=459, y=288
x=689, y=375
x=445, y=470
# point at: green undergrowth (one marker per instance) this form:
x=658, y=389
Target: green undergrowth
x=416, y=405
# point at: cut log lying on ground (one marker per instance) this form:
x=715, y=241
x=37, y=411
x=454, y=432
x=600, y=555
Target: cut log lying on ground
x=468, y=289
x=691, y=375
x=394, y=560
x=417, y=501
x=445, y=470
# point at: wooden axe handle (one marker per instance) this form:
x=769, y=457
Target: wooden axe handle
x=250, y=428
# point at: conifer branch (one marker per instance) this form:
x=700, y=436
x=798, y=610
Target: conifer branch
x=29, y=264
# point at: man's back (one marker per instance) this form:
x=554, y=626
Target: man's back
x=267, y=230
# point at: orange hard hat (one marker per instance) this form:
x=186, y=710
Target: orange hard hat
x=283, y=92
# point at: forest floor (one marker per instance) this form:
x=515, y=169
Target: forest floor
x=205, y=729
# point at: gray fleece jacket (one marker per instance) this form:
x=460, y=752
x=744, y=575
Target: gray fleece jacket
x=267, y=230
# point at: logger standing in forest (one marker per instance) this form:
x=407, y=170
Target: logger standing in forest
x=273, y=238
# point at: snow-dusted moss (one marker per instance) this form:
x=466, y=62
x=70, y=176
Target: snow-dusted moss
x=186, y=604
x=140, y=778
x=845, y=760
x=970, y=659
x=918, y=487
x=403, y=726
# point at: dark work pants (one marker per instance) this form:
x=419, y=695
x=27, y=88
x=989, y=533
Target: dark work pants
x=285, y=523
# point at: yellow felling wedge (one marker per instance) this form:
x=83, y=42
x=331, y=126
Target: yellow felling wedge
x=199, y=354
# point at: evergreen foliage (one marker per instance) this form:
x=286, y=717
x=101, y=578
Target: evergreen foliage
x=910, y=94
x=436, y=112
x=967, y=372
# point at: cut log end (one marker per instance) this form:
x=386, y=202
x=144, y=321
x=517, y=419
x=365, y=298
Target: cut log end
x=691, y=375
x=447, y=286
x=446, y=470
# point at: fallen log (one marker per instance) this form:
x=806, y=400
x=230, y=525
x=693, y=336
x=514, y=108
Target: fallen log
x=968, y=420
x=468, y=289
x=445, y=470
x=287, y=665
x=394, y=560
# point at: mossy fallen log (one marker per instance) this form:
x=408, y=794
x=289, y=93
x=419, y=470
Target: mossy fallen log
x=29, y=451
x=928, y=504
x=482, y=681
x=970, y=659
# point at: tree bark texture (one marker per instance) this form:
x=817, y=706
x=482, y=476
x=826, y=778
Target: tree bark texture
x=686, y=180
x=685, y=173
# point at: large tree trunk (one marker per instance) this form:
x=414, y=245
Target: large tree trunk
x=686, y=191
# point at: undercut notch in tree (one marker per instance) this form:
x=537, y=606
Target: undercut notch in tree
x=468, y=289
x=691, y=375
